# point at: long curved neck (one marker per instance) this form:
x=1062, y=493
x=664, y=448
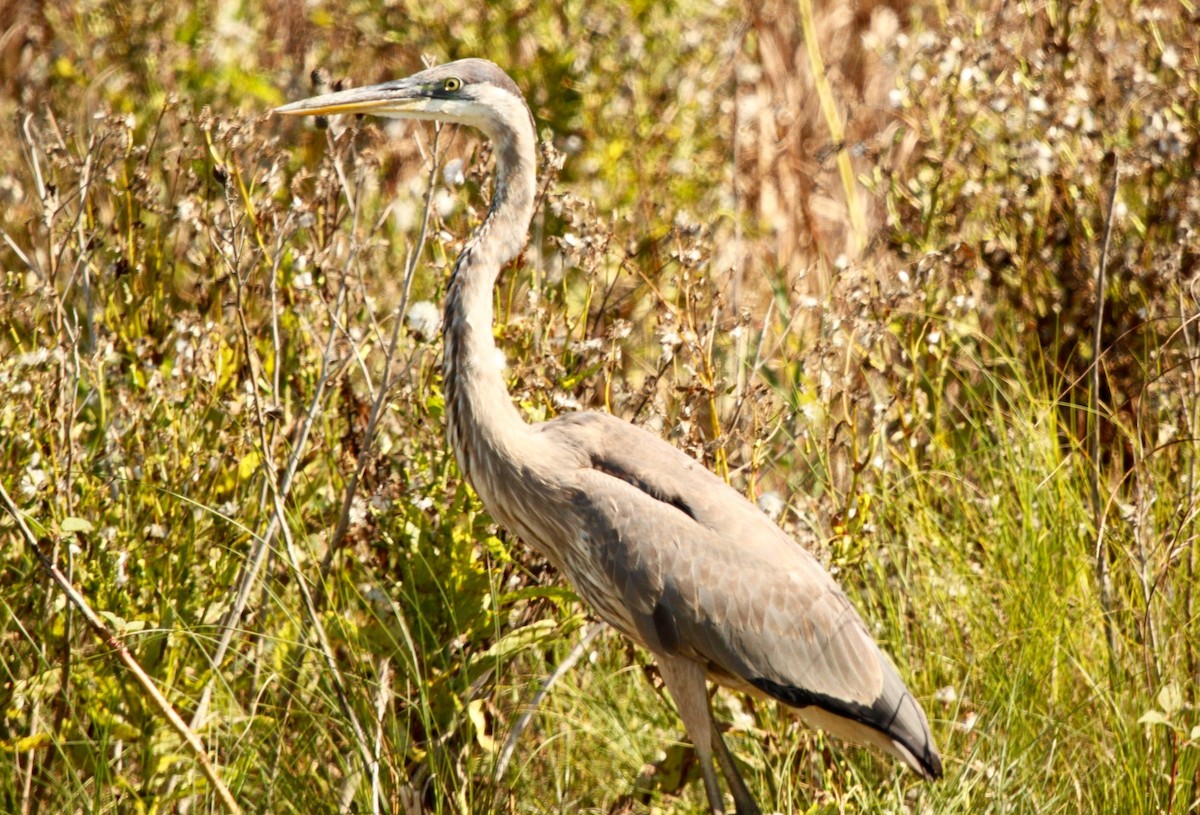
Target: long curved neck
x=484, y=426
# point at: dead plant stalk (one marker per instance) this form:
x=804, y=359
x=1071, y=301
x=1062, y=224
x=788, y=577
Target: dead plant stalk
x=1103, y=579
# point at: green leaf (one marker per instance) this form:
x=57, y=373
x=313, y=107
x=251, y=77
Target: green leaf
x=248, y=465
x=533, y=635
x=32, y=742
x=559, y=595
x=120, y=625
x=1154, y=717
x=479, y=721
x=76, y=525
x=1170, y=699
x=497, y=549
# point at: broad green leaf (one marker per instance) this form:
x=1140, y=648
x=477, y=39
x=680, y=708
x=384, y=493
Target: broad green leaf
x=559, y=595
x=248, y=464
x=516, y=641
x=1170, y=699
x=1154, y=717
x=76, y=525
x=120, y=625
x=479, y=721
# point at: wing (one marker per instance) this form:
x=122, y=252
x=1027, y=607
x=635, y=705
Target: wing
x=684, y=563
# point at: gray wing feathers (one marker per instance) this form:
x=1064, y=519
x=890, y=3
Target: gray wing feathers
x=700, y=571
x=741, y=593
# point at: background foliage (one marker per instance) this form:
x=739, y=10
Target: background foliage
x=220, y=399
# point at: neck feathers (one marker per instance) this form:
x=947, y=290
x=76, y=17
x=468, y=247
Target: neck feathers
x=482, y=421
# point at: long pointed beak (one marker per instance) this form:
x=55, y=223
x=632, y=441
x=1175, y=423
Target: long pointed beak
x=386, y=99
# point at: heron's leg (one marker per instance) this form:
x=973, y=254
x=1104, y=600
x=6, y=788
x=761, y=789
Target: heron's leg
x=685, y=681
x=742, y=799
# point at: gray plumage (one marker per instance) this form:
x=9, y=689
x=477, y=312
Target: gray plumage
x=661, y=548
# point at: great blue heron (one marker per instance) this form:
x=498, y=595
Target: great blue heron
x=665, y=551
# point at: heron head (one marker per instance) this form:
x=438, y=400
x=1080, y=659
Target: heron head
x=469, y=91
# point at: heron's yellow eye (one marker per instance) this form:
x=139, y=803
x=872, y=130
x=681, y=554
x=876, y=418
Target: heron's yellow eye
x=452, y=84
